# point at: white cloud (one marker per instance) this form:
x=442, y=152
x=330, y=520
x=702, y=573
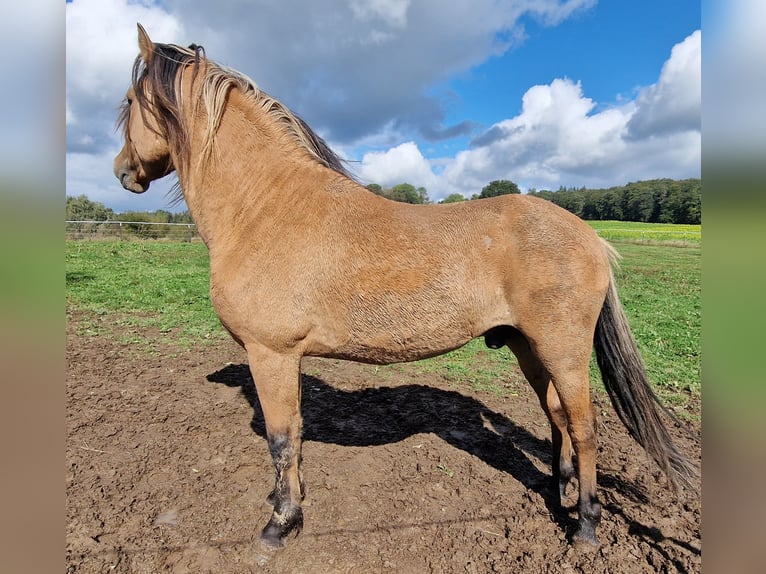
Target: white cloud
x=391, y=12
x=101, y=42
x=401, y=164
x=557, y=138
x=674, y=102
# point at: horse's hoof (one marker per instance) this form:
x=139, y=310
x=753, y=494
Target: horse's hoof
x=586, y=542
x=263, y=554
x=271, y=540
x=280, y=527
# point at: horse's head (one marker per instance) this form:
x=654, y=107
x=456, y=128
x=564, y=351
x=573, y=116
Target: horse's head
x=145, y=155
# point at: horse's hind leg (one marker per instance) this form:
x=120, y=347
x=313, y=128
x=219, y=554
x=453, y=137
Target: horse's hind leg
x=277, y=381
x=538, y=376
x=562, y=383
x=571, y=378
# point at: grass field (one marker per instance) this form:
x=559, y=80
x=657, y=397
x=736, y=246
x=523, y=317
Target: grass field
x=143, y=287
x=633, y=231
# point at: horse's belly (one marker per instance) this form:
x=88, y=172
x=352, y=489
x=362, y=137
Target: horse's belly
x=403, y=331
x=386, y=348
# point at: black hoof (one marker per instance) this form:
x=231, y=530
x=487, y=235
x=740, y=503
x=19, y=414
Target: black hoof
x=585, y=538
x=281, y=526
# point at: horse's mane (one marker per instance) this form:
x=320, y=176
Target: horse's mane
x=163, y=80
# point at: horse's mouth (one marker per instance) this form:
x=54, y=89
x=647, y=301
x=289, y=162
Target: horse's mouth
x=129, y=183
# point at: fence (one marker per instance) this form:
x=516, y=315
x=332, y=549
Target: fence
x=106, y=230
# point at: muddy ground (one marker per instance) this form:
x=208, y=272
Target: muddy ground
x=167, y=470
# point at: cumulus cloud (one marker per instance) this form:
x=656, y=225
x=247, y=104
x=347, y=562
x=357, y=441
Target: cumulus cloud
x=558, y=139
x=403, y=163
x=672, y=104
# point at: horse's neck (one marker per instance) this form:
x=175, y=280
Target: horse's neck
x=257, y=176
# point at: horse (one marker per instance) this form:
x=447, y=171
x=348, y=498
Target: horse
x=305, y=261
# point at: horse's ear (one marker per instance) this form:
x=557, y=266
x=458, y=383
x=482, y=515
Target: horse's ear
x=145, y=45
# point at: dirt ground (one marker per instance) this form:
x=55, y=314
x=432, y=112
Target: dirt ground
x=167, y=470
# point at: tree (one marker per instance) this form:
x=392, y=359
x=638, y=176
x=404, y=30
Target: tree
x=402, y=192
x=408, y=193
x=81, y=208
x=498, y=187
x=182, y=217
x=656, y=200
x=453, y=198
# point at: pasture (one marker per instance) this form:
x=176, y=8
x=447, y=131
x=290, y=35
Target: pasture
x=438, y=465
x=653, y=233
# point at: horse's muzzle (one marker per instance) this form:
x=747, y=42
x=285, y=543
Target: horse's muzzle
x=128, y=180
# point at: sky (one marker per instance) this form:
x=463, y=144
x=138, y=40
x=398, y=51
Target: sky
x=444, y=95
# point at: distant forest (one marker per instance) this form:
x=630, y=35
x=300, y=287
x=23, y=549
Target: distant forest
x=651, y=201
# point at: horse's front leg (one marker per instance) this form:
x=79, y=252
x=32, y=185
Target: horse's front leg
x=277, y=381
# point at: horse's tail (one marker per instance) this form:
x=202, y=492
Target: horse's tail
x=627, y=384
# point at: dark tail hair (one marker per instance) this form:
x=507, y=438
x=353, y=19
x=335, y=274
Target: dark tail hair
x=627, y=384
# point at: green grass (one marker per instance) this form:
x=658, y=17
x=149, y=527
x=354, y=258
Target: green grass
x=132, y=286
x=633, y=231
x=661, y=290
x=142, y=284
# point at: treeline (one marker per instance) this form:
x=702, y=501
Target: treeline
x=408, y=193
x=80, y=208
x=135, y=224
x=403, y=192
x=651, y=201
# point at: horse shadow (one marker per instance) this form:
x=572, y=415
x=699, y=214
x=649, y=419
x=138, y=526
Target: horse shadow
x=386, y=415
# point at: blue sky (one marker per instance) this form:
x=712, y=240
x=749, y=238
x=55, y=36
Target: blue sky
x=614, y=48
x=448, y=96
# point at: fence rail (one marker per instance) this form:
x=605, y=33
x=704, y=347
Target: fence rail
x=95, y=230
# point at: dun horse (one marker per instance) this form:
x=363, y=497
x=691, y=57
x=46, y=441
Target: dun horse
x=304, y=261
